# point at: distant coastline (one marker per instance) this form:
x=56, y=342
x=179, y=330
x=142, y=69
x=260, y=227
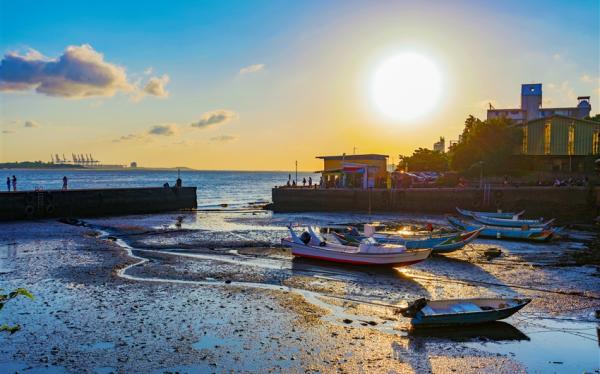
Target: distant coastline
x=38, y=165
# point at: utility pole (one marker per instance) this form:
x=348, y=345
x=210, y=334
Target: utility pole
x=296, y=172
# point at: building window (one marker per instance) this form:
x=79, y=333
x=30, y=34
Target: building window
x=596, y=142
x=571, y=141
x=525, y=139
x=547, y=137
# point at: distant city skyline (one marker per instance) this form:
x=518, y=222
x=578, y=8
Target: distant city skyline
x=256, y=86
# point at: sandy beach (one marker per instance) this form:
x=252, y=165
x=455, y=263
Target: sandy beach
x=215, y=292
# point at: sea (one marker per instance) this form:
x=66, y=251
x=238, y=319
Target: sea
x=236, y=189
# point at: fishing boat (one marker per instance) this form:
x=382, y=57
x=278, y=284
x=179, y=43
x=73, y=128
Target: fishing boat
x=425, y=312
x=512, y=222
x=312, y=244
x=538, y=234
x=504, y=215
x=439, y=244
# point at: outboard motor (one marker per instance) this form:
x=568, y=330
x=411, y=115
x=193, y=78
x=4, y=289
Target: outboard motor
x=305, y=237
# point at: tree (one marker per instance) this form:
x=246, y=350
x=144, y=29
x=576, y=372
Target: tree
x=492, y=142
x=424, y=159
x=595, y=118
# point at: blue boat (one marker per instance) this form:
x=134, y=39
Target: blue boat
x=438, y=244
x=505, y=215
x=538, y=234
x=512, y=222
x=461, y=311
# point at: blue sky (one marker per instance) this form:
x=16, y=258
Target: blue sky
x=317, y=58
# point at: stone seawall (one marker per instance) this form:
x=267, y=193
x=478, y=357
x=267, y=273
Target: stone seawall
x=94, y=202
x=567, y=204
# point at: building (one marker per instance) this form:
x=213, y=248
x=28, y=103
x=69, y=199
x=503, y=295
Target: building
x=440, y=146
x=133, y=164
x=561, y=143
x=354, y=171
x=531, y=107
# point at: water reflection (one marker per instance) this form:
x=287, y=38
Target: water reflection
x=8, y=255
x=493, y=331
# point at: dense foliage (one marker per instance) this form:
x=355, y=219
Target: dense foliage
x=424, y=159
x=490, y=144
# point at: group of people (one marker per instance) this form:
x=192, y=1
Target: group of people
x=292, y=183
x=12, y=182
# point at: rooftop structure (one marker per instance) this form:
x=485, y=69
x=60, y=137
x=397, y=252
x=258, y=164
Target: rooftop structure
x=531, y=107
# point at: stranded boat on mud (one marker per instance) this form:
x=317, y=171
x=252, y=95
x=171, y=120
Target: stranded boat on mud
x=439, y=244
x=512, y=222
x=461, y=311
x=311, y=244
x=538, y=234
x=504, y=215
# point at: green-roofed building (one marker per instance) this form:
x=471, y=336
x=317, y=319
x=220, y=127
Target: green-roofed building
x=560, y=143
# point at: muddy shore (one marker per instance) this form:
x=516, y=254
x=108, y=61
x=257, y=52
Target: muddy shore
x=214, y=292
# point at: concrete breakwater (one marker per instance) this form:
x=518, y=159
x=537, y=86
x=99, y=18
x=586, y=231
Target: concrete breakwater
x=94, y=202
x=567, y=204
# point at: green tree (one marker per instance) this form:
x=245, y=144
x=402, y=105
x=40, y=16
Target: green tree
x=424, y=159
x=595, y=118
x=4, y=298
x=492, y=142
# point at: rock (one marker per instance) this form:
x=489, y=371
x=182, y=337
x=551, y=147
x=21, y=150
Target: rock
x=347, y=321
x=228, y=281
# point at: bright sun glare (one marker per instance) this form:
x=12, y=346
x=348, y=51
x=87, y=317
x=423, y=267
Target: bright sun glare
x=406, y=86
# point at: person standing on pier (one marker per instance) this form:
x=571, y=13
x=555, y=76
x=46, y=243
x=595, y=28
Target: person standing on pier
x=309, y=181
x=14, y=183
x=8, y=183
x=65, y=183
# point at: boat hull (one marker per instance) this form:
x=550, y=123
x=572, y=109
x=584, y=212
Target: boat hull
x=497, y=232
x=512, y=223
x=467, y=318
x=404, y=258
x=470, y=214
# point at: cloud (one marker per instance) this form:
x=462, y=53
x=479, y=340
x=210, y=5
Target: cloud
x=128, y=137
x=7, y=131
x=156, y=86
x=31, y=124
x=557, y=57
x=79, y=72
x=163, y=130
x=223, y=138
x=252, y=69
x=215, y=117
x=149, y=70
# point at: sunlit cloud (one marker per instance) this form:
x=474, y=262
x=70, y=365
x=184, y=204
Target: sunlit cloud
x=252, y=69
x=7, y=131
x=129, y=137
x=223, y=138
x=215, y=117
x=31, y=124
x=156, y=86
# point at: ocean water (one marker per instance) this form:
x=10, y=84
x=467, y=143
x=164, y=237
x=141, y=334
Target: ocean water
x=234, y=188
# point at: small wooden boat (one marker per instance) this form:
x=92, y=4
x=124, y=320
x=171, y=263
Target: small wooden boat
x=438, y=244
x=505, y=215
x=425, y=312
x=512, y=222
x=538, y=234
x=312, y=245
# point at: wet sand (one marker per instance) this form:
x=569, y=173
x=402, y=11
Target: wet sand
x=214, y=292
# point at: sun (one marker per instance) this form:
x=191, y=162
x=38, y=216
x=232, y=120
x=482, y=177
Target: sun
x=407, y=86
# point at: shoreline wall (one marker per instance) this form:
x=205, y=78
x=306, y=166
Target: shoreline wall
x=567, y=204
x=94, y=202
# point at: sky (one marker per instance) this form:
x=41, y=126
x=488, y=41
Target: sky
x=258, y=85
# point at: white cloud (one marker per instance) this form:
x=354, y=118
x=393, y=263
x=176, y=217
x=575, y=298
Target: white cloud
x=252, y=69
x=214, y=117
x=156, y=86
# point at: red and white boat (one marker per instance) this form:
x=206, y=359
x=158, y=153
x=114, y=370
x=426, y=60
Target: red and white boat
x=369, y=252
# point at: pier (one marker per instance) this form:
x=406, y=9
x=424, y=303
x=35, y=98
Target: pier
x=567, y=204
x=21, y=205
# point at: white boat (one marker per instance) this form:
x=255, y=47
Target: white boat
x=313, y=245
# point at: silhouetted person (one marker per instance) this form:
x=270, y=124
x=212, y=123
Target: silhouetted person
x=309, y=181
x=65, y=183
x=14, y=183
x=8, y=183
x=178, y=182
x=303, y=182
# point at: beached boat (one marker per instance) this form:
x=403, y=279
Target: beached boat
x=439, y=244
x=312, y=244
x=425, y=312
x=539, y=234
x=490, y=221
x=504, y=215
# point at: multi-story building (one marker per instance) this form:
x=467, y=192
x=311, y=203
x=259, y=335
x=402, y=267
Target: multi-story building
x=440, y=146
x=531, y=107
